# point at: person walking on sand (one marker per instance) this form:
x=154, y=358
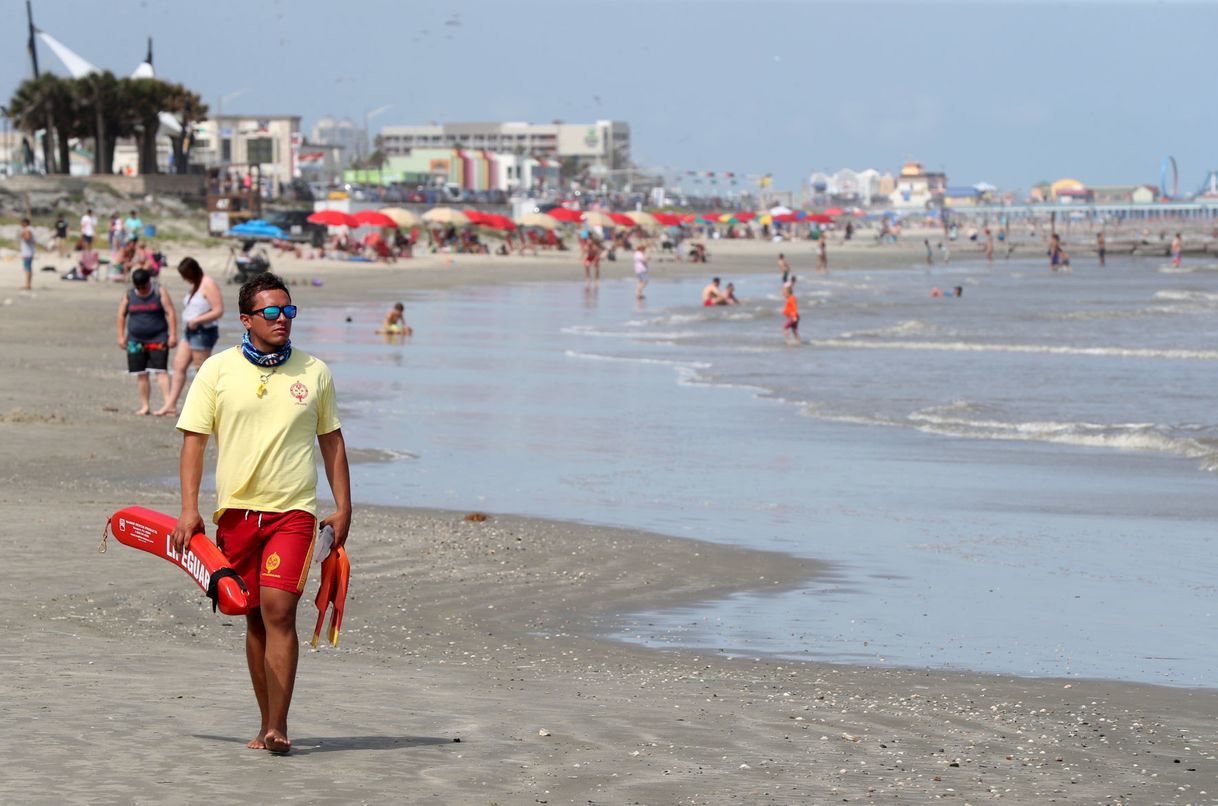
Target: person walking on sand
x=133, y=227
x=27, y=253
x=88, y=228
x=790, y=309
x=116, y=233
x=61, y=236
x=989, y=245
x=640, y=269
x=202, y=308
x=822, y=254
x=270, y=407
x=147, y=325
x=784, y=268
x=1101, y=247
x=1177, y=246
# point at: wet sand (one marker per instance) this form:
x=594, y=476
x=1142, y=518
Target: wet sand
x=121, y=686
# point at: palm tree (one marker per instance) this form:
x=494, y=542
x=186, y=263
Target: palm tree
x=144, y=100
x=98, y=99
x=45, y=103
x=188, y=107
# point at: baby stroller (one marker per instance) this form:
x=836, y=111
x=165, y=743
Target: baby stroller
x=247, y=264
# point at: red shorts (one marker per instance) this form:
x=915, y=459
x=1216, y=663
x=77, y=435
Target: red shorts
x=268, y=549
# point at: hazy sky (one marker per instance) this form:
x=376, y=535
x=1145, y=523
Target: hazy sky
x=1008, y=93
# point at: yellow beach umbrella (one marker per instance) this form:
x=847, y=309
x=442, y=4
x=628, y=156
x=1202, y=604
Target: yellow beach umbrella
x=765, y=219
x=644, y=220
x=402, y=217
x=538, y=220
x=445, y=215
x=595, y=218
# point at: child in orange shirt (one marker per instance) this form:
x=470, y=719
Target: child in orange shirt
x=790, y=330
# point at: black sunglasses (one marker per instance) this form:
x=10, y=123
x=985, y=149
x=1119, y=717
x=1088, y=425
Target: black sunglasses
x=271, y=312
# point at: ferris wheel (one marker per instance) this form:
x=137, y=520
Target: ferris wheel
x=1169, y=178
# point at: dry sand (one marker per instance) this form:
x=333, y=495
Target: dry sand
x=119, y=686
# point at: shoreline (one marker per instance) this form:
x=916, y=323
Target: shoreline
x=483, y=632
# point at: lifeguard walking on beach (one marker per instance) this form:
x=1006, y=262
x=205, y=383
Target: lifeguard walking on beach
x=270, y=408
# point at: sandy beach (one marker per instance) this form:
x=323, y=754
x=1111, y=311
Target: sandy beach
x=470, y=669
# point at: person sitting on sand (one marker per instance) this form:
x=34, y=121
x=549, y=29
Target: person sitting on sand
x=712, y=295
x=395, y=322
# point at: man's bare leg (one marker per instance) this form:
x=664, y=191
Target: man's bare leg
x=255, y=658
x=282, y=650
x=162, y=382
x=181, y=365
x=145, y=388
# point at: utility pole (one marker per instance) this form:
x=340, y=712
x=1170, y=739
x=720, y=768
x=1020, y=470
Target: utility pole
x=46, y=137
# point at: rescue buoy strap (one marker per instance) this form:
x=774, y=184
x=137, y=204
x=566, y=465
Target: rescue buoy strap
x=213, y=587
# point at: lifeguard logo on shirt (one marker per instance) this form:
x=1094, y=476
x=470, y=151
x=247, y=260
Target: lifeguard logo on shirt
x=299, y=391
x=272, y=562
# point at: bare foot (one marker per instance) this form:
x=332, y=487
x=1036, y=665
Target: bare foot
x=258, y=742
x=164, y=412
x=142, y=412
x=277, y=743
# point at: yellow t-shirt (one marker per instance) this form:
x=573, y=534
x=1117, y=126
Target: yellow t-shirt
x=267, y=443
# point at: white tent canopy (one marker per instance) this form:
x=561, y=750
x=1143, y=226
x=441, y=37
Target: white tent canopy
x=80, y=67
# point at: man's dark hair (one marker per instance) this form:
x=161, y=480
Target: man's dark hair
x=140, y=278
x=256, y=285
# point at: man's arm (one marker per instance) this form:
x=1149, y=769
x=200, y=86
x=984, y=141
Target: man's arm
x=122, y=322
x=190, y=474
x=334, y=459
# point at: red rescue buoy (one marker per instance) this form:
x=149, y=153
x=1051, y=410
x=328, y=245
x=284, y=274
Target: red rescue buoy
x=152, y=531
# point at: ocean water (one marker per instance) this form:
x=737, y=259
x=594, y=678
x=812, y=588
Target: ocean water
x=1020, y=480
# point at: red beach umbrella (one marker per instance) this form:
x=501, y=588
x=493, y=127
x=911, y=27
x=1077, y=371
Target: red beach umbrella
x=744, y=216
x=372, y=218
x=834, y=211
x=818, y=218
x=667, y=219
x=476, y=217
x=565, y=215
x=621, y=220
x=333, y=218
x=495, y=221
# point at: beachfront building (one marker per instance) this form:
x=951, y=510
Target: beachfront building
x=462, y=169
x=961, y=197
x=604, y=144
x=917, y=188
x=1113, y=194
x=239, y=143
x=350, y=139
x=845, y=187
x=1070, y=191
